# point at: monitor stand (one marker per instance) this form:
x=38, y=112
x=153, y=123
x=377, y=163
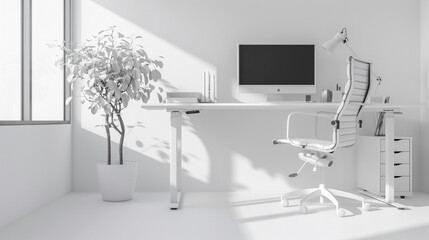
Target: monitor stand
x=288, y=98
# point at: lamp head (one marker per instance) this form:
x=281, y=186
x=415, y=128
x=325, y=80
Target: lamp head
x=332, y=43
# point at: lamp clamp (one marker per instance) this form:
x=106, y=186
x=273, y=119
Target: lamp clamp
x=344, y=31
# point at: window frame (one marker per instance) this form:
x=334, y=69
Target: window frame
x=26, y=68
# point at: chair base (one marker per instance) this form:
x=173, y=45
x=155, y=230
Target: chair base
x=321, y=192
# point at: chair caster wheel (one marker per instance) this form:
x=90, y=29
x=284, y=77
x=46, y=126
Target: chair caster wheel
x=366, y=206
x=303, y=209
x=341, y=212
x=284, y=202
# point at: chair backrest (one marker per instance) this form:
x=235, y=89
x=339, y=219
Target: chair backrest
x=356, y=93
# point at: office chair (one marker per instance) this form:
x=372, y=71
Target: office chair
x=345, y=125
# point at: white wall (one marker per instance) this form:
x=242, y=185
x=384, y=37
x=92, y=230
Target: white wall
x=424, y=26
x=231, y=150
x=35, y=168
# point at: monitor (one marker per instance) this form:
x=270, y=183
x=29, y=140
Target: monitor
x=277, y=68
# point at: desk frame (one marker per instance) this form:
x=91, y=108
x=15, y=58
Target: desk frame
x=175, y=159
x=177, y=110
x=389, y=119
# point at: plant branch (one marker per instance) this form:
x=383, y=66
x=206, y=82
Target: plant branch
x=109, y=154
x=115, y=127
x=121, y=141
x=131, y=79
x=113, y=123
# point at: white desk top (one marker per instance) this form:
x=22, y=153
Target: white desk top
x=237, y=106
x=267, y=106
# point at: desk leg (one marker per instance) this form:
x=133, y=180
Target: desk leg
x=175, y=159
x=389, y=141
x=389, y=199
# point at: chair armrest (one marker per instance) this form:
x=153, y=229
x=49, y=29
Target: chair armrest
x=327, y=113
x=304, y=114
x=316, y=130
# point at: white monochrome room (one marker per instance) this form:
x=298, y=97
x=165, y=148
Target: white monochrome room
x=261, y=120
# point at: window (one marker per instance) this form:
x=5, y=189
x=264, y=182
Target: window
x=10, y=62
x=47, y=97
x=33, y=89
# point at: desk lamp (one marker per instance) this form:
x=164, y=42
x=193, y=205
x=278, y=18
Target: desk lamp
x=341, y=37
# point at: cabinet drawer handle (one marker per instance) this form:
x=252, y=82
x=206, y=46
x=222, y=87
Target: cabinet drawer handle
x=397, y=164
x=397, y=139
x=397, y=176
x=396, y=152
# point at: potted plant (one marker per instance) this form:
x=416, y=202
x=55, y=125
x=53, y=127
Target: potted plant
x=112, y=70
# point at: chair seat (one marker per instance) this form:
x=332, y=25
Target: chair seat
x=312, y=143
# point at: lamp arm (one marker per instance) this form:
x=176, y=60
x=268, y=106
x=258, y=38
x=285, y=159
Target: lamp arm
x=351, y=49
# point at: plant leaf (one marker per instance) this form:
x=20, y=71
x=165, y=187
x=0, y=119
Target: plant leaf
x=118, y=93
x=89, y=93
x=116, y=67
x=125, y=100
x=155, y=75
x=139, y=144
x=136, y=85
x=142, y=53
x=137, y=74
x=110, y=95
x=159, y=63
x=70, y=78
x=94, y=110
x=68, y=100
x=145, y=98
x=107, y=109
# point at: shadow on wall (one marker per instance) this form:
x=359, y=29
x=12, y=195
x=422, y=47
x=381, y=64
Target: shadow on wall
x=153, y=173
x=195, y=40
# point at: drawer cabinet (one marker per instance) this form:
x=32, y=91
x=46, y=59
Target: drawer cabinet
x=399, y=169
x=398, y=157
x=371, y=159
x=399, y=144
x=401, y=184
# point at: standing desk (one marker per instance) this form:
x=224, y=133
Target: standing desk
x=178, y=109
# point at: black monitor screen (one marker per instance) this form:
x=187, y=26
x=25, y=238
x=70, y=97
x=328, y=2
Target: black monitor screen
x=276, y=64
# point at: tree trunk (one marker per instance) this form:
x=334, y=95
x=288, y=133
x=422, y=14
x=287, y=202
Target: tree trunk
x=121, y=141
x=107, y=127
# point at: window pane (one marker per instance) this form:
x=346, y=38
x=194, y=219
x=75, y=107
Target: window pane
x=10, y=60
x=47, y=79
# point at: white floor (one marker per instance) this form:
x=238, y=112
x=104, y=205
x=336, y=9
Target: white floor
x=237, y=216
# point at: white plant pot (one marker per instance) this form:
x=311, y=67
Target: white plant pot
x=117, y=182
